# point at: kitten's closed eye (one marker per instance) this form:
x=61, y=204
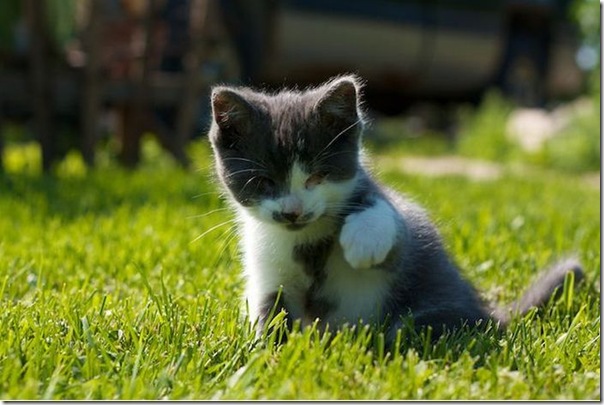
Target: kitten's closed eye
x=265, y=184
x=315, y=179
x=234, y=139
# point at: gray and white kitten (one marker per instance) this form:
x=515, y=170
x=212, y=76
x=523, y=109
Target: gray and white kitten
x=324, y=236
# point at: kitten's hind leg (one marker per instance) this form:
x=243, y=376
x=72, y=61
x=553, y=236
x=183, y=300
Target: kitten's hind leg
x=429, y=326
x=369, y=235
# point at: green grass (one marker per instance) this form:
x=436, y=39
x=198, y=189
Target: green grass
x=481, y=134
x=108, y=293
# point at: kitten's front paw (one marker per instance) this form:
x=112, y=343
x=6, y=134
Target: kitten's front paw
x=368, y=236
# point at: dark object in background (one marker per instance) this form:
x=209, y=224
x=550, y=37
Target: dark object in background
x=410, y=49
x=146, y=66
x=133, y=65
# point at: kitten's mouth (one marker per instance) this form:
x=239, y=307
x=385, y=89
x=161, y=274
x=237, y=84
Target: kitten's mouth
x=295, y=226
x=293, y=222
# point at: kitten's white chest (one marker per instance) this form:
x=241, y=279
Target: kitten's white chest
x=351, y=294
x=269, y=266
x=359, y=293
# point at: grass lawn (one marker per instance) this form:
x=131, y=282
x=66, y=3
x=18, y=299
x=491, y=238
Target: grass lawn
x=126, y=285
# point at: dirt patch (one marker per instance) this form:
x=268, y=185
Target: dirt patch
x=474, y=169
x=592, y=179
x=479, y=170
x=531, y=128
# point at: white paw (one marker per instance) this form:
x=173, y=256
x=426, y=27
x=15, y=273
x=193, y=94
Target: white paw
x=368, y=236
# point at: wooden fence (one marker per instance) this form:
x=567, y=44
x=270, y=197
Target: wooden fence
x=135, y=59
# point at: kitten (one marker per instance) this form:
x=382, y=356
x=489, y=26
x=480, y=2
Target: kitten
x=321, y=238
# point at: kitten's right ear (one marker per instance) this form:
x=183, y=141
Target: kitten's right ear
x=339, y=105
x=230, y=110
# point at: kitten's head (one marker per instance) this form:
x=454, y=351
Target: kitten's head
x=289, y=158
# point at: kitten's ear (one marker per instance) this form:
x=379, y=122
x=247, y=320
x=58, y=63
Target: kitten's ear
x=230, y=110
x=339, y=104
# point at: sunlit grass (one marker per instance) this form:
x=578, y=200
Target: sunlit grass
x=480, y=132
x=108, y=293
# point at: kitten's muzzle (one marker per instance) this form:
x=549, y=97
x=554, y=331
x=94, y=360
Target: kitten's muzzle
x=286, y=217
x=293, y=220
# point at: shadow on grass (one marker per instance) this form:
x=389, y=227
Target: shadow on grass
x=101, y=192
x=482, y=342
x=477, y=341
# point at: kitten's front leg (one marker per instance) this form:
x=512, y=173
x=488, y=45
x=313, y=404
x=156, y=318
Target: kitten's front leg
x=271, y=305
x=369, y=235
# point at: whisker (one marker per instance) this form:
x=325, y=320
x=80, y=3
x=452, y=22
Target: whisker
x=248, y=182
x=320, y=159
x=261, y=164
x=338, y=208
x=231, y=234
x=337, y=136
x=245, y=171
x=208, y=213
x=213, y=228
x=218, y=193
x=204, y=168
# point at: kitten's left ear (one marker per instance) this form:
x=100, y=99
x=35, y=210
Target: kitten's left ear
x=339, y=104
x=230, y=110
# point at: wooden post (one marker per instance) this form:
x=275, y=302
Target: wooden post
x=41, y=71
x=189, y=104
x=91, y=88
x=1, y=135
x=3, y=103
x=135, y=112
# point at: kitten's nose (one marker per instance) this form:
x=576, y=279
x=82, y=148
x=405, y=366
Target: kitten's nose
x=286, y=216
x=290, y=216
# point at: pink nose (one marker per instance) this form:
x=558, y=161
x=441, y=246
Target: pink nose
x=290, y=216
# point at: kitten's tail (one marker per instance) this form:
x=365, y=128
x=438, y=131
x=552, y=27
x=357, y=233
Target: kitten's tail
x=549, y=284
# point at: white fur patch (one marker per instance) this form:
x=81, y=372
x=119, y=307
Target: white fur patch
x=268, y=246
x=352, y=282
x=311, y=203
x=368, y=236
x=359, y=294
x=268, y=264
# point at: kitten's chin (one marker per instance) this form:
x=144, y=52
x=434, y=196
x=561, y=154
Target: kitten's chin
x=315, y=223
x=295, y=227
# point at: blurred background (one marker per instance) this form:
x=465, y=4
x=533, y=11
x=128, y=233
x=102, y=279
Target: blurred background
x=485, y=79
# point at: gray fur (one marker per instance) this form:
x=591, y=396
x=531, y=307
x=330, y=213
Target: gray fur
x=313, y=258
x=260, y=135
x=256, y=137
